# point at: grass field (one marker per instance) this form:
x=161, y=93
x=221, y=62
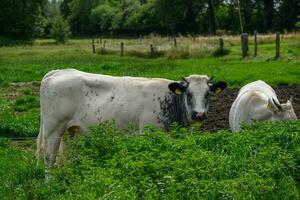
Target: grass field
x=30, y=63
x=260, y=163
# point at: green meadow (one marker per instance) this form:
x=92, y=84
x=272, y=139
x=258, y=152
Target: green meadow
x=261, y=162
x=31, y=63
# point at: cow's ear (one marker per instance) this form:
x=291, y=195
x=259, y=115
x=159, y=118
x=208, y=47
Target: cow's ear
x=177, y=88
x=218, y=87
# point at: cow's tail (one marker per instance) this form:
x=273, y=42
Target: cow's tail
x=39, y=143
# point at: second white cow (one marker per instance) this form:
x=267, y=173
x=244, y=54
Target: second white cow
x=258, y=101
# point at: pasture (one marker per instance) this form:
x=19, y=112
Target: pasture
x=204, y=161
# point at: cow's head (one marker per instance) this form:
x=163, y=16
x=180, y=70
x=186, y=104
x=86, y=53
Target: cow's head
x=281, y=111
x=195, y=91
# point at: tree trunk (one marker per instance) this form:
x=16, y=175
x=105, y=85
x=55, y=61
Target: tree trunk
x=212, y=17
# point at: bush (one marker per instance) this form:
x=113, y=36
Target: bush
x=60, y=30
x=221, y=52
x=11, y=42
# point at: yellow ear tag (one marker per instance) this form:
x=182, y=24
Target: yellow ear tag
x=269, y=106
x=218, y=90
x=178, y=91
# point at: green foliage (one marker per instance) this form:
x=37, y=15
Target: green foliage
x=102, y=16
x=261, y=162
x=297, y=25
x=19, y=176
x=181, y=16
x=60, y=30
x=79, y=18
x=28, y=20
x=221, y=52
x=19, y=19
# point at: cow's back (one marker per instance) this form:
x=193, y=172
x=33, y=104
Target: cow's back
x=81, y=99
x=259, y=86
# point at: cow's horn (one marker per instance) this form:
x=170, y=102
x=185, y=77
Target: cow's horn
x=276, y=104
x=185, y=80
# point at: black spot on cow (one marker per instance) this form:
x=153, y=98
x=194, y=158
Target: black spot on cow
x=98, y=110
x=87, y=93
x=112, y=98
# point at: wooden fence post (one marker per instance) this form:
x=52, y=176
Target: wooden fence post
x=93, y=46
x=277, y=45
x=122, y=49
x=244, y=38
x=221, y=43
x=151, y=50
x=103, y=47
x=255, y=44
x=175, y=42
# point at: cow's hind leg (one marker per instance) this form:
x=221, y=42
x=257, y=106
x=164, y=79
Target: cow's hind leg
x=39, y=144
x=52, y=142
x=60, y=156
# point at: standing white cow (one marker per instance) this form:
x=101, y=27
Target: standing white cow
x=258, y=101
x=71, y=99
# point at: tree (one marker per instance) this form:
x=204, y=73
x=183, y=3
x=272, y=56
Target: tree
x=50, y=10
x=79, y=18
x=19, y=19
x=286, y=15
x=269, y=14
x=212, y=17
x=65, y=8
x=60, y=30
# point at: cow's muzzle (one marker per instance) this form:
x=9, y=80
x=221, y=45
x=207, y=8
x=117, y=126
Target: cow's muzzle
x=199, y=116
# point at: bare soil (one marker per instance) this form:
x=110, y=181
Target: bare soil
x=218, y=113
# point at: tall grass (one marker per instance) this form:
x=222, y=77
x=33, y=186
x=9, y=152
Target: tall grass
x=261, y=162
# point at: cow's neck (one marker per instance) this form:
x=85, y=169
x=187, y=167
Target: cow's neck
x=174, y=109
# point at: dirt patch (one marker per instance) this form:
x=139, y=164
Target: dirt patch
x=15, y=90
x=218, y=113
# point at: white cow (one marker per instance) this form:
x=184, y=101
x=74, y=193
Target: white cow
x=71, y=99
x=258, y=101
